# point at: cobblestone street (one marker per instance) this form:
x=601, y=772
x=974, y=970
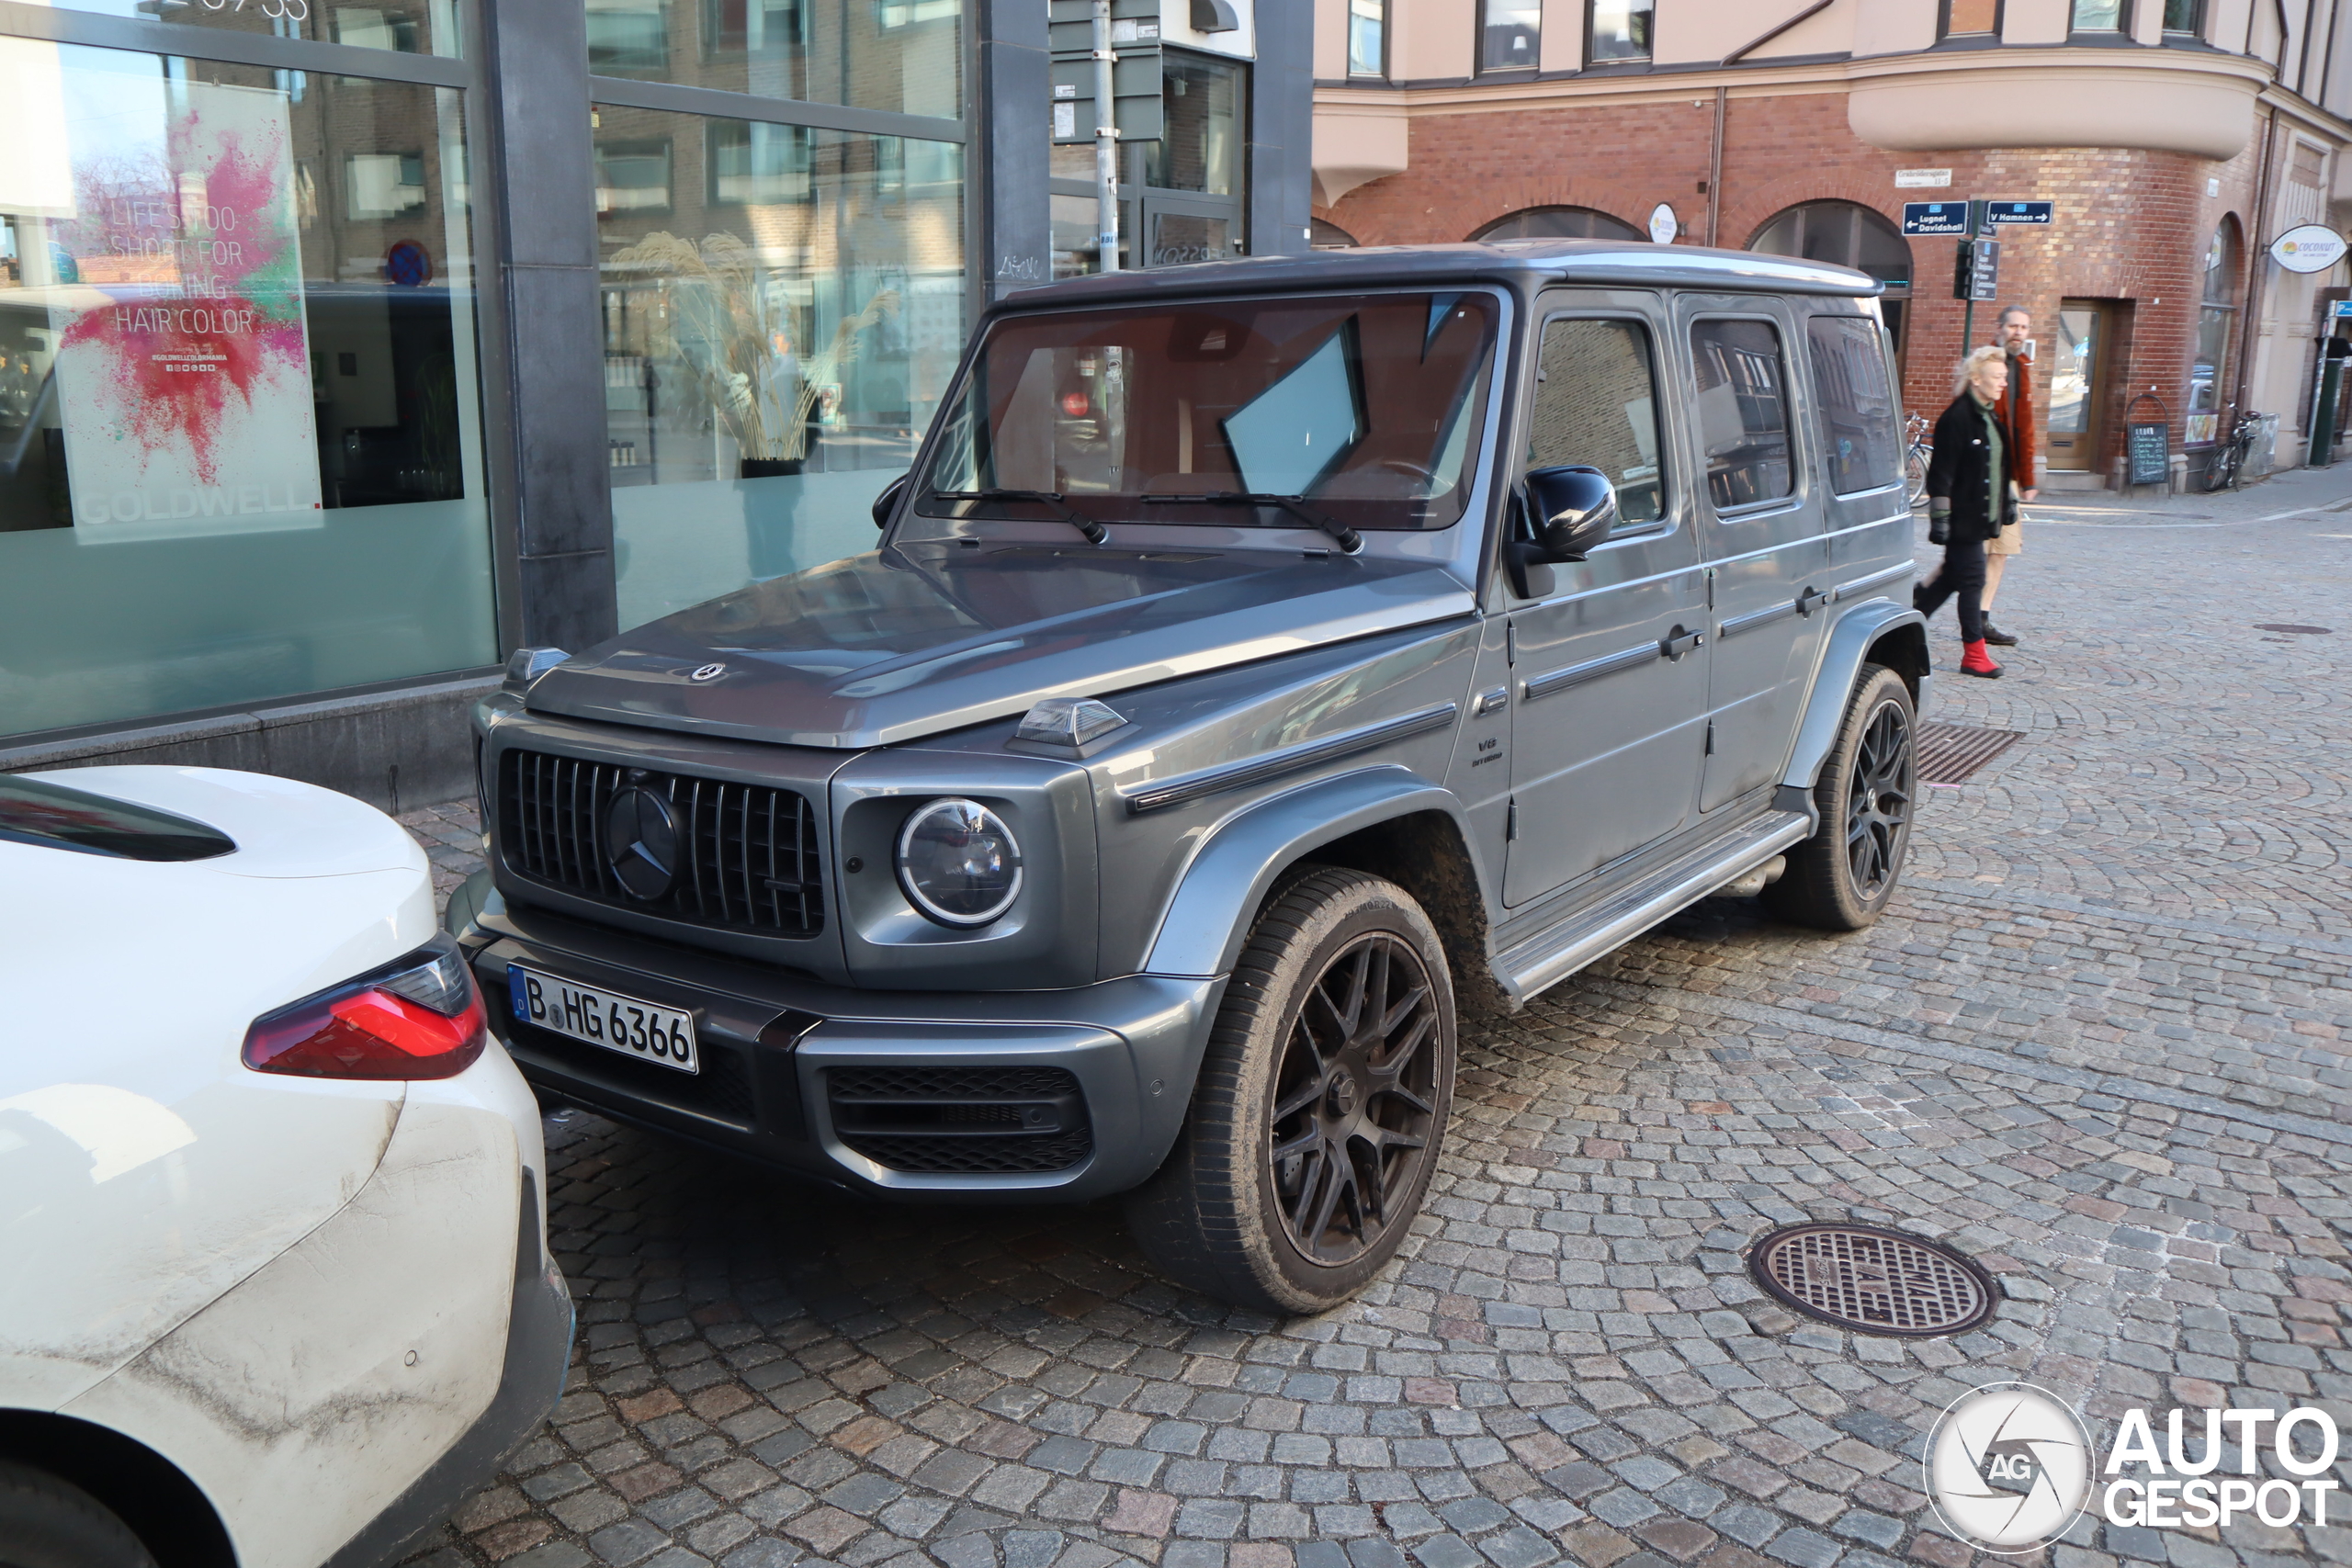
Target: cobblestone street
x=2099, y=1044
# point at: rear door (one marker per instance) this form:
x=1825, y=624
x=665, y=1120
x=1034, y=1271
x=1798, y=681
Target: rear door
x=1761, y=529
x=1608, y=684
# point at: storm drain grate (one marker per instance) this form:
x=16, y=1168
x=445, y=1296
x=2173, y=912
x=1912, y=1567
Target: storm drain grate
x=1949, y=753
x=1872, y=1281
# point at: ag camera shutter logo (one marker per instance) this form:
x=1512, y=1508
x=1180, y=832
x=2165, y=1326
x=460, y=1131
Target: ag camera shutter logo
x=2009, y=1468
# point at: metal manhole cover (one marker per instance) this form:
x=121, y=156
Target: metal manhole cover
x=2293, y=627
x=1872, y=1281
x=1949, y=753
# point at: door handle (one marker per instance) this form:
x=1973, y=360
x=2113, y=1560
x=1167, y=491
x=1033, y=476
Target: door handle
x=1809, y=601
x=1681, y=643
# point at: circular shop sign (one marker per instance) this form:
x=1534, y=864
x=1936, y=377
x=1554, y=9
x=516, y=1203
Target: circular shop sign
x=2009, y=1468
x=2313, y=247
x=1664, y=225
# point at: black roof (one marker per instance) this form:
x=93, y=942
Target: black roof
x=1526, y=263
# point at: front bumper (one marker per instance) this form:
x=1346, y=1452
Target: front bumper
x=769, y=1037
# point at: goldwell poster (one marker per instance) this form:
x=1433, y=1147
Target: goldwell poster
x=183, y=374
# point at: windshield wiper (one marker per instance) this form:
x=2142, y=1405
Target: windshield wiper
x=1348, y=538
x=1095, y=533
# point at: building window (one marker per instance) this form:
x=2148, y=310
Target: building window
x=1508, y=34
x=2102, y=15
x=1559, y=223
x=240, y=441
x=778, y=332
x=1843, y=233
x=2185, y=18
x=2216, y=315
x=1966, y=18
x=902, y=56
x=1367, y=38
x=406, y=27
x=1619, y=29
x=1326, y=235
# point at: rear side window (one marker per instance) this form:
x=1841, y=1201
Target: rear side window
x=1743, y=407
x=33, y=812
x=1597, y=404
x=1857, y=403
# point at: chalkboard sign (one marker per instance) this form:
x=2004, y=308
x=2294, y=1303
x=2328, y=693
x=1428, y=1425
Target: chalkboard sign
x=2151, y=449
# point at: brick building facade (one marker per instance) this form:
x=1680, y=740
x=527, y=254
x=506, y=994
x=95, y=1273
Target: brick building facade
x=1731, y=144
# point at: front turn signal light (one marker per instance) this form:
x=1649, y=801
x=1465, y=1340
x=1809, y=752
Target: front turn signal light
x=418, y=1017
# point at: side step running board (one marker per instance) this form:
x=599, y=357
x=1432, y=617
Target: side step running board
x=1550, y=957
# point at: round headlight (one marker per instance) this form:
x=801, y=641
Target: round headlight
x=959, y=862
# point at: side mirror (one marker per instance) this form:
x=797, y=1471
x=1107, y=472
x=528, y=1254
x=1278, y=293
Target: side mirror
x=1574, y=508
x=888, y=501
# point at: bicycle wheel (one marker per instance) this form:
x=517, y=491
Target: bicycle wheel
x=1915, y=474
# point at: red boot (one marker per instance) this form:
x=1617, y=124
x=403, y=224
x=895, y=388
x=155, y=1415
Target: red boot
x=1974, y=660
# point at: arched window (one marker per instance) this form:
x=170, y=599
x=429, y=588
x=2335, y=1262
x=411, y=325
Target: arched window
x=1559, y=223
x=2215, y=317
x=1325, y=235
x=1843, y=233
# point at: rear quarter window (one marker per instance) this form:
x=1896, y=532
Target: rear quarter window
x=1857, y=414
x=53, y=817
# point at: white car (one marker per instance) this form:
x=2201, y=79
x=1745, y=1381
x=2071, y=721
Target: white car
x=274, y=1283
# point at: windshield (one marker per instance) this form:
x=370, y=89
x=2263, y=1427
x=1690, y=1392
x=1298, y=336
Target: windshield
x=1364, y=406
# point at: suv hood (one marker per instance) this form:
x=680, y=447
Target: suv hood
x=919, y=639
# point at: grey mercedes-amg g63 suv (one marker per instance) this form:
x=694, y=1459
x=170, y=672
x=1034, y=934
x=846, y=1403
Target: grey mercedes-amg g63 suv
x=1264, y=665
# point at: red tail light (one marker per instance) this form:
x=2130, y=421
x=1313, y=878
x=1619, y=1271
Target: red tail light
x=417, y=1018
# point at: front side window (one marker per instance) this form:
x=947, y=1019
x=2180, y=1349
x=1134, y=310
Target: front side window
x=1365, y=408
x=239, y=435
x=1367, y=31
x=1858, y=409
x=1619, y=30
x=1743, y=411
x=1965, y=18
x=2101, y=16
x=1597, y=404
x=1508, y=34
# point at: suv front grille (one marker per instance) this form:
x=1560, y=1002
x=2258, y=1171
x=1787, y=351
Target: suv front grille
x=748, y=853
x=961, y=1121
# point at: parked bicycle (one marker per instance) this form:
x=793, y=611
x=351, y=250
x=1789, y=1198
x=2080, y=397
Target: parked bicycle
x=2227, y=471
x=1918, y=453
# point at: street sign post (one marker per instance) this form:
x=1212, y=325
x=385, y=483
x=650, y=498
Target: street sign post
x=1932, y=217
x=2000, y=212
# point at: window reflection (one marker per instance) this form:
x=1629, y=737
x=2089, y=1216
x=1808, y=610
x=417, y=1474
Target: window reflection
x=778, y=327
x=1509, y=31
x=1621, y=30
x=904, y=56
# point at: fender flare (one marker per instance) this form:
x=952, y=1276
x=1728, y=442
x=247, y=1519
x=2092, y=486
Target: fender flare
x=1208, y=918
x=1848, y=648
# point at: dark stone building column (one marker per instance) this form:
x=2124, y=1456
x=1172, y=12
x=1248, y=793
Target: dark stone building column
x=1013, y=139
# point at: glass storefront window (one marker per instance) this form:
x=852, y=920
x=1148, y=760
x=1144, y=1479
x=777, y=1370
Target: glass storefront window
x=410, y=27
x=239, y=444
x=1621, y=30
x=776, y=336
x=1202, y=148
x=904, y=56
x=2216, y=314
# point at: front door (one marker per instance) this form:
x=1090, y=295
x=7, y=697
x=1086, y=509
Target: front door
x=2077, y=386
x=1607, y=687
x=1762, y=526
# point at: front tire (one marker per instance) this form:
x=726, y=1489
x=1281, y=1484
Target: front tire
x=1842, y=877
x=1321, y=1103
x=48, y=1523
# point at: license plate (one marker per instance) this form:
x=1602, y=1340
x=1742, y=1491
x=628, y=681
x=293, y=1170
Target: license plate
x=644, y=1030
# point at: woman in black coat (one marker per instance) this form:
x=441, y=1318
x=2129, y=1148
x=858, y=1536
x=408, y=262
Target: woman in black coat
x=1969, y=500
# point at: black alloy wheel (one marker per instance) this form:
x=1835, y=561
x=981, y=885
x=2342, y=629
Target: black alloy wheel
x=1867, y=798
x=1354, y=1099
x=1880, y=796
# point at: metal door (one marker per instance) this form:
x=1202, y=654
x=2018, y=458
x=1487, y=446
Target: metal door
x=1760, y=528
x=2077, y=387
x=1607, y=686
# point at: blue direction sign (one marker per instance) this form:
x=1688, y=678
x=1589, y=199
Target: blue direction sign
x=2017, y=212
x=1935, y=217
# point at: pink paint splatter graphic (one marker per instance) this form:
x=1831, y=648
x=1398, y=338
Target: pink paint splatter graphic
x=204, y=281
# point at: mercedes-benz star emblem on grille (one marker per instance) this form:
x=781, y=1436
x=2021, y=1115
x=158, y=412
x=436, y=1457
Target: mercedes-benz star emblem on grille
x=641, y=842
x=710, y=672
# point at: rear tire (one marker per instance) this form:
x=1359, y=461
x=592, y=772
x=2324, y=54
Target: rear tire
x=1841, y=878
x=1321, y=1103
x=48, y=1523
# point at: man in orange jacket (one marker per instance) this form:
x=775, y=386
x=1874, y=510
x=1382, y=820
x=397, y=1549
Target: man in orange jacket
x=2014, y=412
